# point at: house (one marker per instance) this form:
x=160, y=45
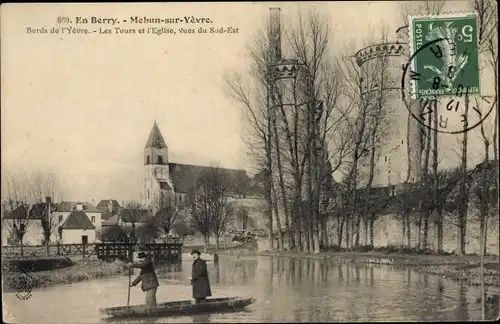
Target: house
x=77, y=228
x=64, y=209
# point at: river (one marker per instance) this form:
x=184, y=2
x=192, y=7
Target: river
x=286, y=290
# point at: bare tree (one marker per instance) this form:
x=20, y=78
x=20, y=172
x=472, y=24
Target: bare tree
x=133, y=213
x=220, y=210
x=168, y=212
x=15, y=201
x=183, y=229
x=211, y=202
x=252, y=95
x=45, y=190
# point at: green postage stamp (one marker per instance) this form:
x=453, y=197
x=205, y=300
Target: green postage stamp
x=445, y=55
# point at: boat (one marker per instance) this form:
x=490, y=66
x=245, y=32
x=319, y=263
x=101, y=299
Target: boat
x=179, y=308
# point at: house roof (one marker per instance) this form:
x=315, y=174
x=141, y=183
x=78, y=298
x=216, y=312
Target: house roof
x=184, y=177
x=111, y=221
x=106, y=214
x=139, y=215
x=155, y=138
x=103, y=204
x=68, y=206
x=77, y=219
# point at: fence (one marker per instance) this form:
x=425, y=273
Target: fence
x=169, y=252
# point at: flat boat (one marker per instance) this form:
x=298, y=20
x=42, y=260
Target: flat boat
x=180, y=308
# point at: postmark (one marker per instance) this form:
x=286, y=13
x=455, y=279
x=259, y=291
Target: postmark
x=448, y=102
x=450, y=63
x=23, y=283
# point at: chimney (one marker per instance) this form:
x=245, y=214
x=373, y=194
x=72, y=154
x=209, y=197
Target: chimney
x=275, y=34
x=110, y=206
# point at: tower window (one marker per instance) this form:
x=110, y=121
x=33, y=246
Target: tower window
x=147, y=159
x=160, y=159
x=148, y=193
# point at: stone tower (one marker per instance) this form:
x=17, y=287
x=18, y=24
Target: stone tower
x=398, y=160
x=156, y=170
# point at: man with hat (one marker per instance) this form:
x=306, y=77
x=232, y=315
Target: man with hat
x=199, y=278
x=147, y=277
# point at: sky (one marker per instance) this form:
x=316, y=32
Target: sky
x=83, y=105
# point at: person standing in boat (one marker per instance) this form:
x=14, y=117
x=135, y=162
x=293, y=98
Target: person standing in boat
x=199, y=278
x=147, y=277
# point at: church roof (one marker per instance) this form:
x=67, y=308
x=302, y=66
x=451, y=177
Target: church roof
x=155, y=138
x=184, y=177
x=164, y=185
x=77, y=219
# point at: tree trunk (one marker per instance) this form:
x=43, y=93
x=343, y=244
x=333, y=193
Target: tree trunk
x=482, y=247
x=278, y=221
x=408, y=227
x=340, y=230
x=22, y=247
x=403, y=222
x=464, y=197
x=47, y=246
x=426, y=229
x=419, y=233
x=439, y=229
x=372, y=221
x=217, y=237
x=206, y=239
x=425, y=192
x=365, y=225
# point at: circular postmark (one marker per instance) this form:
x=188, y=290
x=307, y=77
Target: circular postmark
x=445, y=106
x=23, y=284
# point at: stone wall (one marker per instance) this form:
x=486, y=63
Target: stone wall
x=388, y=230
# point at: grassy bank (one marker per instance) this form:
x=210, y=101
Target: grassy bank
x=81, y=270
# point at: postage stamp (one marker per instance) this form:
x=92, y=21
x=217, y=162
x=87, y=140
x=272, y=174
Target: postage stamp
x=452, y=63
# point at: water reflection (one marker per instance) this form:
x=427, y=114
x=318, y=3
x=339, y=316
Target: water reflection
x=286, y=289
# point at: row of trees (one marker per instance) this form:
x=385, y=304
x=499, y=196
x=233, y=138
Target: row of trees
x=322, y=113
x=27, y=197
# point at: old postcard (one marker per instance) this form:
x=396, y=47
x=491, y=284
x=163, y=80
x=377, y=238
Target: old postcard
x=249, y=162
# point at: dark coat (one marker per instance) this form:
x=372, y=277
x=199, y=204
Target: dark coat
x=199, y=281
x=147, y=275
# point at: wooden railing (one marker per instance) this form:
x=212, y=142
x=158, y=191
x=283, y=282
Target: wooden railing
x=170, y=252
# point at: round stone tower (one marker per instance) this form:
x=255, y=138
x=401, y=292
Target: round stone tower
x=397, y=155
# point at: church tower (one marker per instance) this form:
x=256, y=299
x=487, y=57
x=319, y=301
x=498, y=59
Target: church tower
x=156, y=172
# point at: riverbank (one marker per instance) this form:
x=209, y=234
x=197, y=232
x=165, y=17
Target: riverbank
x=81, y=270
x=463, y=268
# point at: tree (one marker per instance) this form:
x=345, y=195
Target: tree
x=168, y=212
x=132, y=213
x=183, y=229
x=45, y=189
x=148, y=232
x=16, y=206
x=212, y=199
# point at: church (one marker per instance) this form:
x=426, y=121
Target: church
x=177, y=182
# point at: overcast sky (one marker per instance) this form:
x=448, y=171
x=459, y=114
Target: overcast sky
x=84, y=105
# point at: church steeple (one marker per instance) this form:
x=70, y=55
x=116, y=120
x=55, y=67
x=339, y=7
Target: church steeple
x=155, y=138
